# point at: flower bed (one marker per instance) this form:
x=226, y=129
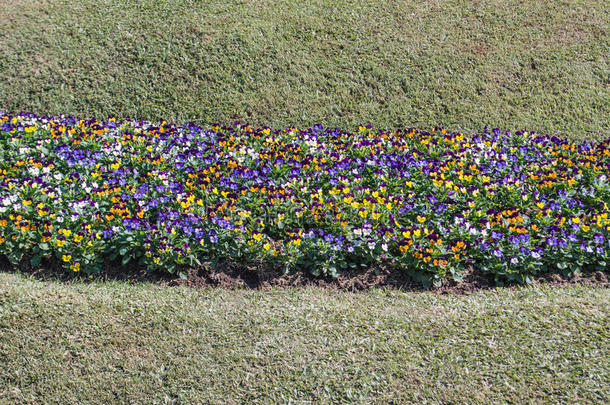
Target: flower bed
x=320, y=200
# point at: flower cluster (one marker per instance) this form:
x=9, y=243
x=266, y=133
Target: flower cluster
x=321, y=200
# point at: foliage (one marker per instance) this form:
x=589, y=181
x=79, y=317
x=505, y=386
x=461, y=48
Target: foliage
x=321, y=200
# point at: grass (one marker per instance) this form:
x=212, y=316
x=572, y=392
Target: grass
x=114, y=342
x=541, y=65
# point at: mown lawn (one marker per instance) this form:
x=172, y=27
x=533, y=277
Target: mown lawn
x=541, y=65
x=114, y=342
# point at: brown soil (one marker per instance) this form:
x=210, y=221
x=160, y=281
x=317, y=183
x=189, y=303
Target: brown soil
x=234, y=276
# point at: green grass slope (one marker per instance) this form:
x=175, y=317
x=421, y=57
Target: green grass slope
x=541, y=65
x=114, y=342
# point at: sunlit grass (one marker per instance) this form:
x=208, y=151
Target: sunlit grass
x=115, y=342
x=536, y=65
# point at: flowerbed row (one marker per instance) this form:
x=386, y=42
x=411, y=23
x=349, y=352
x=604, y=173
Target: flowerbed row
x=321, y=200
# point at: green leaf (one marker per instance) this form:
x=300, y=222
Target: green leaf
x=35, y=260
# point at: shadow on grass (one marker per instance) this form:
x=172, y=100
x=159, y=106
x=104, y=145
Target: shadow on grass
x=239, y=276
